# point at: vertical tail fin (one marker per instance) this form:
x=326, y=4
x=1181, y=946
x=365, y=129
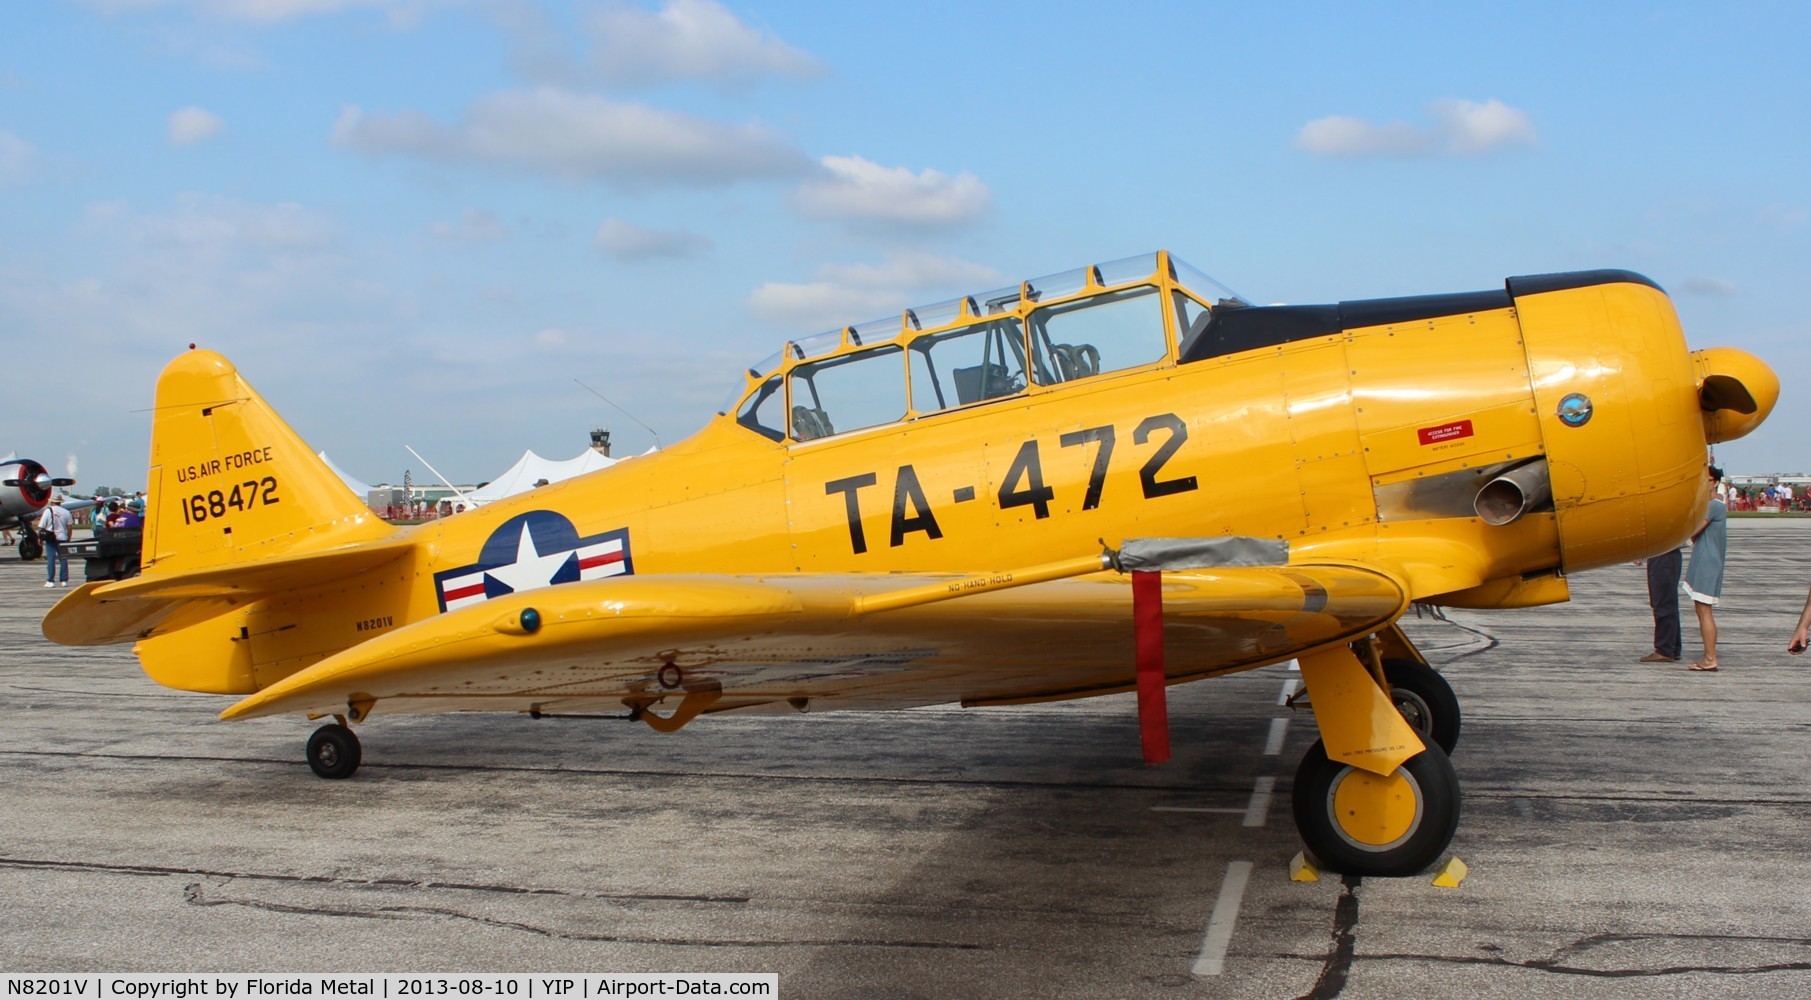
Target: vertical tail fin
x=231, y=482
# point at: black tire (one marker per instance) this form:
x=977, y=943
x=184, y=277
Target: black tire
x=334, y=752
x=1425, y=700
x=1352, y=843
x=29, y=548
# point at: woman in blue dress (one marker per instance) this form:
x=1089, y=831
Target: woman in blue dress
x=1704, y=578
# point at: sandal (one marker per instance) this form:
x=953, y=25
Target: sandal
x=1702, y=668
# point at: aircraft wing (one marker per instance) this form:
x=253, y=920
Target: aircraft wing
x=30, y=518
x=858, y=641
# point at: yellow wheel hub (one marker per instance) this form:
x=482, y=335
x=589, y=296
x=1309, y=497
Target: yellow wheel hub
x=1374, y=810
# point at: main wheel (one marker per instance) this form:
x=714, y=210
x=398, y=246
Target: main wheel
x=333, y=751
x=1361, y=823
x=29, y=547
x=1425, y=700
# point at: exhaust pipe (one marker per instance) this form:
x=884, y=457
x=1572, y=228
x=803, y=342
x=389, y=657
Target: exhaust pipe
x=1514, y=492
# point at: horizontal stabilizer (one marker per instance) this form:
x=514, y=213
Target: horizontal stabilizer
x=81, y=619
x=143, y=606
x=265, y=576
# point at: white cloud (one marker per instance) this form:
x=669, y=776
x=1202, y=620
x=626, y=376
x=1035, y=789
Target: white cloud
x=191, y=125
x=580, y=136
x=689, y=40
x=214, y=271
x=475, y=225
x=627, y=241
x=844, y=294
x=1467, y=127
x=1460, y=127
x=16, y=158
x=214, y=225
x=1339, y=135
x=859, y=190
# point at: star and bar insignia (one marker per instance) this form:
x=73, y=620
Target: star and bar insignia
x=533, y=550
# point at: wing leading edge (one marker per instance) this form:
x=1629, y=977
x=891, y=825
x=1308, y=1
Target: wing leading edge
x=843, y=641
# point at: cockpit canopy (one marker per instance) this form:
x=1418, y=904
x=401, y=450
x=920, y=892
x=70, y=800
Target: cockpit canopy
x=978, y=348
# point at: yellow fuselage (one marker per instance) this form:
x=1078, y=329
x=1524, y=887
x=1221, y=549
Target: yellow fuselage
x=1361, y=439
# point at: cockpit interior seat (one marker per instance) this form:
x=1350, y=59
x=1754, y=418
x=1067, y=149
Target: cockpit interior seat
x=810, y=423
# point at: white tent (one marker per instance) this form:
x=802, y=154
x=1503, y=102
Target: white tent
x=532, y=468
x=362, y=490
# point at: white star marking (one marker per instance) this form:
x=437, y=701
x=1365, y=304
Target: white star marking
x=531, y=570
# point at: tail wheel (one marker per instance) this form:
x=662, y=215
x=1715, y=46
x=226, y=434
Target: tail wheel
x=334, y=752
x=1425, y=700
x=1361, y=823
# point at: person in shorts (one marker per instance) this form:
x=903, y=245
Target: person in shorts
x=1704, y=577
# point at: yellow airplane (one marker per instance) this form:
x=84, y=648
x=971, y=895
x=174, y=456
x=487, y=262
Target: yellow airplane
x=1111, y=479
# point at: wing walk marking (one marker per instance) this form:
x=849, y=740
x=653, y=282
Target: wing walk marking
x=1211, y=960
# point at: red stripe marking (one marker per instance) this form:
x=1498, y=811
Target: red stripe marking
x=603, y=560
x=1147, y=626
x=471, y=590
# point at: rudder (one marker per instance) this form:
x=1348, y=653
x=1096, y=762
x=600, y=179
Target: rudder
x=231, y=482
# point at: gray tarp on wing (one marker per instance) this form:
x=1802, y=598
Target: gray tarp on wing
x=1172, y=554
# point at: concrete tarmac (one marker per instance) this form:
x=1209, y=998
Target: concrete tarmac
x=1632, y=830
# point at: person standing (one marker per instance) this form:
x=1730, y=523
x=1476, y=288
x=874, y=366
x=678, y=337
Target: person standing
x=55, y=526
x=1704, y=578
x=1663, y=598
x=1800, y=635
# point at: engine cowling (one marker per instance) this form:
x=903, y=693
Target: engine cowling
x=25, y=487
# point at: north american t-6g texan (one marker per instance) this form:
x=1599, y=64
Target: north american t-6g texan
x=1107, y=480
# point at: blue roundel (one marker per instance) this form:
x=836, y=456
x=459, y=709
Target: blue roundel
x=1575, y=410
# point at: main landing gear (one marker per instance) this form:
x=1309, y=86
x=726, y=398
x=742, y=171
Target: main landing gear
x=1425, y=700
x=1362, y=823
x=1365, y=801
x=333, y=751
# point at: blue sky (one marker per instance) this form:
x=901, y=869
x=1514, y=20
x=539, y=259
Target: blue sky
x=418, y=221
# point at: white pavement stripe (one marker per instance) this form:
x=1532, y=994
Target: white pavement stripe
x=1212, y=958
x=1295, y=664
x=1274, y=745
x=1259, y=809
x=1288, y=689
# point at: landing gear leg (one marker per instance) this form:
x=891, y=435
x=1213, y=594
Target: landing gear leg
x=333, y=751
